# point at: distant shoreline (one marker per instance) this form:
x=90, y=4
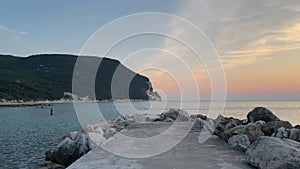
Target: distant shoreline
x=51, y=103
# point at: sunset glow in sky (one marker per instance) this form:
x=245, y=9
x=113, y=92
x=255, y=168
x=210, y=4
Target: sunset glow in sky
x=258, y=42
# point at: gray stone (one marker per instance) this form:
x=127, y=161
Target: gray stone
x=209, y=125
x=168, y=120
x=272, y=126
x=147, y=119
x=293, y=134
x=121, y=124
x=198, y=124
x=251, y=130
x=194, y=116
x=63, y=152
x=110, y=133
x=240, y=141
x=71, y=135
x=175, y=114
x=82, y=146
x=274, y=153
x=261, y=113
x=224, y=123
x=297, y=126
x=99, y=131
x=68, y=150
x=89, y=128
x=95, y=139
x=260, y=124
x=49, y=165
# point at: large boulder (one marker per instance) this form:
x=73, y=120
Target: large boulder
x=240, y=141
x=293, y=133
x=99, y=131
x=95, y=139
x=175, y=114
x=223, y=124
x=251, y=130
x=297, y=126
x=261, y=113
x=68, y=150
x=63, y=152
x=274, y=153
x=272, y=126
x=198, y=124
x=82, y=146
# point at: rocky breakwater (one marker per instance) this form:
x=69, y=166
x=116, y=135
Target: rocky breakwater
x=268, y=142
x=75, y=144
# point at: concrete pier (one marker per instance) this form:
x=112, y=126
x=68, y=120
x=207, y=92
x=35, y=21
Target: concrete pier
x=188, y=154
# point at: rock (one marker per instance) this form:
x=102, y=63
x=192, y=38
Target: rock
x=99, y=131
x=153, y=96
x=272, y=126
x=49, y=165
x=82, y=146
x=175, y=114
x=68, y=150
x=209, y=125
x=293, y=134
x=89, y=128
x=251, y=130
x=168, y=120
x=121, y=123
x=63, y=152
x=274, y=153
x=261, y=113
x=71, y=135
x=224, y=123
x=95, y=139
x=139, y=117
x=198, y=124
x=297, y=127
x=147, y=119
x=158, y=119
x=240, y=141
x=110, y=133
x=194, y=116
x=260, y=124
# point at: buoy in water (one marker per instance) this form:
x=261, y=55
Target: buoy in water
x=51, y=111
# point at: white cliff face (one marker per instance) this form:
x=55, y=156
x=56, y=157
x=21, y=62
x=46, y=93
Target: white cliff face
x=154, y=96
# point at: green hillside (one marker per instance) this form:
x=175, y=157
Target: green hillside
x=49, y=76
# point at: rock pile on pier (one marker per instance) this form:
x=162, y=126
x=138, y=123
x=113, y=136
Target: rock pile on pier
x=267, y=141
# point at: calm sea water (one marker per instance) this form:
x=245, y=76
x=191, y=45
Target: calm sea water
x=27, y=133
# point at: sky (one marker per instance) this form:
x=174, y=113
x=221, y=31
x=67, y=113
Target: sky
x=254, y=44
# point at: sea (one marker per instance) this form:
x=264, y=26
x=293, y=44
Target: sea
x=27, y=133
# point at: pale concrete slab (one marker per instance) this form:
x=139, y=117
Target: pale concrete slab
x=188, y=154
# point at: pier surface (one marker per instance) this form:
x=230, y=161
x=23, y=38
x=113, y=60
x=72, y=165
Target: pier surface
x=214, y=153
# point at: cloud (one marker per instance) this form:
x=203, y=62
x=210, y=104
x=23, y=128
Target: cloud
x=242, y=17
x=246, y=34
x=284, y=39
x=4, y=28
